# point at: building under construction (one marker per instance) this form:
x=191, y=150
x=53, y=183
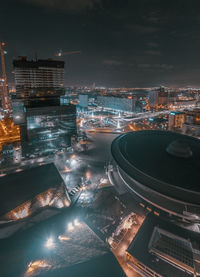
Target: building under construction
x=38, y=78
x=9, y=132
x=5, y=100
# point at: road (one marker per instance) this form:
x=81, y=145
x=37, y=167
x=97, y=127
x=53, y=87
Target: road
x=120, y=250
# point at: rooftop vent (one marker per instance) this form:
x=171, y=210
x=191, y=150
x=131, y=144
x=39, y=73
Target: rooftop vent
x=179, y=148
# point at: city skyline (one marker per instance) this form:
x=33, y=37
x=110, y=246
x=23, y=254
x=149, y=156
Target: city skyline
x=99, y=138
x=122, y=43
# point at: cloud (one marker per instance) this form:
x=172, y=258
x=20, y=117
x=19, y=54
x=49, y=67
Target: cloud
x=144, y=65
x=153, y=44
x=142, y=28
x=112, y=62
x=66, y=5
x=165, y=66
x=160, y=67
x=153, y=52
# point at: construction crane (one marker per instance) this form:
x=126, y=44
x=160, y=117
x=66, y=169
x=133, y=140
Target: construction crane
x=61, y=53
x=5, y=100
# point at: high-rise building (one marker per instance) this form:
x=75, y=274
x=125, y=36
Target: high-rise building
x=158, y=98
x=38, y=78
x=153, y=98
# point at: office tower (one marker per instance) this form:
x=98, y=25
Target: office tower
x=153, y=98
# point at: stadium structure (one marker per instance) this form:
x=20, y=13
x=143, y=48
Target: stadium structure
x=162, y=169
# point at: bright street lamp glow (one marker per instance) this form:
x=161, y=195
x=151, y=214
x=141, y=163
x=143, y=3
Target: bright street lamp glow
x=60, y=204
x=76, y=222
x=49, y=243
x=73, y=162
x=63, y=238
x=70, y=227
x=88, y=175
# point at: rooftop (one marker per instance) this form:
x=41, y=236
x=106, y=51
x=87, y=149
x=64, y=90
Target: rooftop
x=24, y=63
x=75, y=250
x=145, y=152
x=141, y=246
x=19, y=187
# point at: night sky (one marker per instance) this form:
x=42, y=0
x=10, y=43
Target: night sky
x=130, y=43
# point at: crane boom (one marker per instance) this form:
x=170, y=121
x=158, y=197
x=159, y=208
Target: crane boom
x=61, y=53
x=5, y=101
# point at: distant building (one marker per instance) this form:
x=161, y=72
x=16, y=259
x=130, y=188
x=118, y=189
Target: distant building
x=183, y=104
x=64, y=100
x=191, y=125
x=117, y=103
x=38, y=78
x=11, y=153
x=158, y=98
x=176, y=120
x=153, y=98
x=192, y=117
x=172, y=96
x=83, y=101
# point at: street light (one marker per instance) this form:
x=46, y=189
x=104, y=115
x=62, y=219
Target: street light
x=50, y=243
x=70, y=226
x=73, y=162
x=76, y=222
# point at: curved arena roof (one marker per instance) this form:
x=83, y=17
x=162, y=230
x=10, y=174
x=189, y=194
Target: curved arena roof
x=165, y=162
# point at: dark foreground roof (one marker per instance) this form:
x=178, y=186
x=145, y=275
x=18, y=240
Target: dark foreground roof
x=28, y=245
x=139, y=248
x=106, y=266
x=20, y=187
